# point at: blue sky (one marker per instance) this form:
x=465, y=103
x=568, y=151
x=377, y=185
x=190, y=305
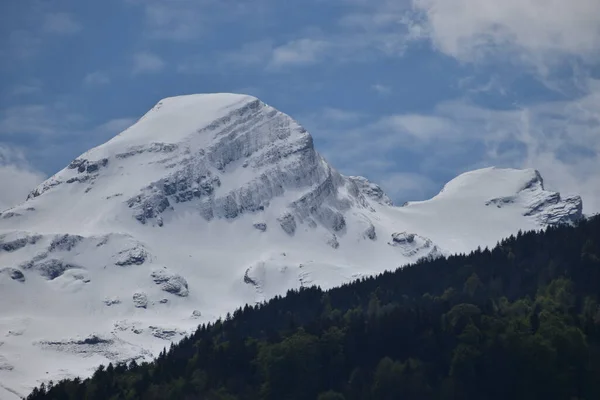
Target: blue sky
x=408, y=93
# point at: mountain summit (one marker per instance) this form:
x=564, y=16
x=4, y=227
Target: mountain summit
x=209, y=202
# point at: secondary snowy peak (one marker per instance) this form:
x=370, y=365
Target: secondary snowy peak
x=496, y=187
x=207, y=203
x=485, y=205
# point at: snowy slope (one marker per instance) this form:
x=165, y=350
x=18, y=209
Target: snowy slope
x=209, y=202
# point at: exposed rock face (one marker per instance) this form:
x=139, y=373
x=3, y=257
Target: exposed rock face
x=82, y=165
x=149, y=205
x=370, y=232
x=112, y=301
x=249, y=280
x=553, y=210
x=5, y=365
x=164, y=148
x=412, y=245
x=371, y=190
x=140, y=300
x=134, y=256
x=261, y=226
x=13, y=273
x=112, y=348
x=403, y=238
x=549, y=208
x=9, y=245
x=170, y=282
x=86, y=172
x=288, y=223
x=333, y=242
x=10, y=214
x=50, y=269
x=165, y=333
x=198, y=174
x=64, y=242
x=252, y=136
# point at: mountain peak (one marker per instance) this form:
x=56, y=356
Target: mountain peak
x=176, y=119
x=508, y=187
x=224, y=155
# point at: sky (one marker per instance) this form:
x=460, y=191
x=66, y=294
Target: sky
x=409, y=93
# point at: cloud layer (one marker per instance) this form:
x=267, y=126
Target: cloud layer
x=17, y=178
x=540, y=30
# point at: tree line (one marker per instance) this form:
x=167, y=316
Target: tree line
x=519, y=321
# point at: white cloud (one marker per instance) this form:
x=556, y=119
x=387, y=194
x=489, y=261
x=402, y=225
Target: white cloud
x=184, y=20
x=28, y=88
x=493, y=85
x=60, y=23
x=146, y=62
x=47, y=134
x=534, y=30
x=423, y=128
x=561, y=139
x=299, y=52
x=172, y=20
x=17, y=176
x=407, y=185
x=362, y=34
x=48, y=122
x=356, y=145
x=26, y=41
x=37, y=119
x=381, y=89
x=96, y=78
x=23, y=44
x=388, y=26
x=114, y=126
x=337, y=115
x=341, y=47
x=264, y=54
x=249, y=54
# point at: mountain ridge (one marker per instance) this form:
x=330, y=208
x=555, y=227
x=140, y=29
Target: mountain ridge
x=206, y=203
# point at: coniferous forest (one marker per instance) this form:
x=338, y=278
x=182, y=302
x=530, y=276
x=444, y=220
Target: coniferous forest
x=520, y=321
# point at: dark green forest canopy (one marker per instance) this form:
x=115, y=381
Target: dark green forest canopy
x=521, y=321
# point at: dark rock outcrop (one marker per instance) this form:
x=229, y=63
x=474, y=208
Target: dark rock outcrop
x=287, y=223
x=16, y=244
x=170, y=282
x=64, y=242
x=14, y=274
x=333, y=242
x=371, y=190
x=134, y=256
x=411, y=245
x=140, y=300
x=261, y=226
x=49, y=269
x=370, y=232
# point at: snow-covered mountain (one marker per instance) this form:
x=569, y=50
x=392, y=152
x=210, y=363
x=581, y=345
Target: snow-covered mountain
x=209, y=202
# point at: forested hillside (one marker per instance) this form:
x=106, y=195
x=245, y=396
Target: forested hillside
x=521, y=321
